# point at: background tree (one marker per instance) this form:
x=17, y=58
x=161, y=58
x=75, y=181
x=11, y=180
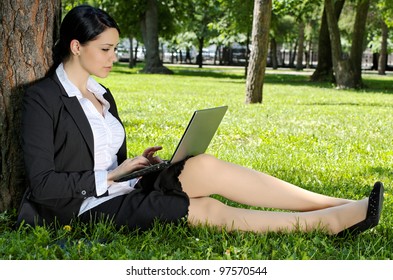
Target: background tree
x=146, y=19
x=324, y=69
x=201, y=16
x=259, y=50
x=386, y=8
x=383, y=49
x=182, y=44
x=303, y=13
x=282, y=31
x=380, y=21
x=149, y=27
x=237, y=21
x=126, y=15
x=27, y=33
x=347, y=68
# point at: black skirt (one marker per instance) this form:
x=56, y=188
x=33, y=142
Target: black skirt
x=157, y=197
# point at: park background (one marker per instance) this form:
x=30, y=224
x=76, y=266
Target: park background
x=307, y=129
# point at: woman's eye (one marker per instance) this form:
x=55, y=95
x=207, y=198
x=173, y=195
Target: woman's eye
x=105, y=50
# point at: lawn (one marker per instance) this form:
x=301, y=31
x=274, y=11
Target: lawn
x=335, y=142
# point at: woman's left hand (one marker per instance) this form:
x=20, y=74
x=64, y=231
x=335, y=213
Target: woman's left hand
x=149, y=154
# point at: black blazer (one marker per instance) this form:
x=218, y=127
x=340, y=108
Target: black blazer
x=58, y=149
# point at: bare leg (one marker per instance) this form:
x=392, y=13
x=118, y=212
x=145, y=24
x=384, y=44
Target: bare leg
x=205, y=175
x=212, y=212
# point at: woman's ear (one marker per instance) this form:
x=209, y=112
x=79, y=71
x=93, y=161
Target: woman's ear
x=75, y=47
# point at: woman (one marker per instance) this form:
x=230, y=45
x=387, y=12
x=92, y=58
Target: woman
x=74, y=148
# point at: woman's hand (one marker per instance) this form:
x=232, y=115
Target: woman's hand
x=127, y=166
x=139, y=162
x=149, y=154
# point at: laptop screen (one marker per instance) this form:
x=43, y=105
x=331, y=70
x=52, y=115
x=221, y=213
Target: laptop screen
x=199, y=132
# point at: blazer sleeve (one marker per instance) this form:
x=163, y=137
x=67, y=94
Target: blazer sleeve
x=58, y=162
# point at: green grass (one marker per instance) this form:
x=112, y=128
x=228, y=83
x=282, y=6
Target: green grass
x=333, y=142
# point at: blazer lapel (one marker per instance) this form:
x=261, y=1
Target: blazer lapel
x=75, y=109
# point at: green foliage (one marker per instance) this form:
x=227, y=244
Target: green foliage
x=237, y=16
x=333, y=142
x=201, y=14
x=385, y=7
x=380, y=11
x=299, y=9
x=213, y=21
x=126, y=13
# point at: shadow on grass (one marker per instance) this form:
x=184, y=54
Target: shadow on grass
x=382, y=172
x=238, y=77
x=373, y=83
x=122, y=68
x=332, y=103
x=208, y=73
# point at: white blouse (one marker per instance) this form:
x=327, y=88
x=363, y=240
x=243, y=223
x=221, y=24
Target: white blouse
x=108, y=137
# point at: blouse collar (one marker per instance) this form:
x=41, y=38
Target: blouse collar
x=72, y=90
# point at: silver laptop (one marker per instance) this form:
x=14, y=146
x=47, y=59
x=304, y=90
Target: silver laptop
x=195, y=140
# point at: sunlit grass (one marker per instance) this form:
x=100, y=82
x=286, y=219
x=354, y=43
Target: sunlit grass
x=332, y=142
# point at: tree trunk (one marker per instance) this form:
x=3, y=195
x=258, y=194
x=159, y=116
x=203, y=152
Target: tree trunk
x=27, y=34
x=384, y=50
x=216, y=54
x=375, y=60
x=300, y=50
x=346, y=73
x=149, y=28
x=343, y=71
x=324, y=70
x=131, y=61
x=258, y=56
x=273, y=53
x=357, y=46
x=199, y=59
x=292, y=55
x=247, y=52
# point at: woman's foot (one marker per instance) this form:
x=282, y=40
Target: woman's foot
x=374, y=209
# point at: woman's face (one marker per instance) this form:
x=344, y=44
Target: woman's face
x=97, y=56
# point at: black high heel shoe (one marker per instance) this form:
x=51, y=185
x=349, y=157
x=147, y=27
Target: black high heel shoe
x=374, y=209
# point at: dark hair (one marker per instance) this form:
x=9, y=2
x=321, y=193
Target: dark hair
x=83, y=23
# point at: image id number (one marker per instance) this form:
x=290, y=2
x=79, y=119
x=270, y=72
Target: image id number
x=242, y=270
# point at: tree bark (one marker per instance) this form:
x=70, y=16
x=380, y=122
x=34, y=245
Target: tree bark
x=324, y=69
x=347, y=68
x=357, y=46
x=259, y=52
x=292, y=55
x=343, y=71
x=27, y=34
x=247, y=52
x=300, y=50
x=273, y=53
x=149, y=28
x=384, y=49
x=132, y=60
x=199, y=59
